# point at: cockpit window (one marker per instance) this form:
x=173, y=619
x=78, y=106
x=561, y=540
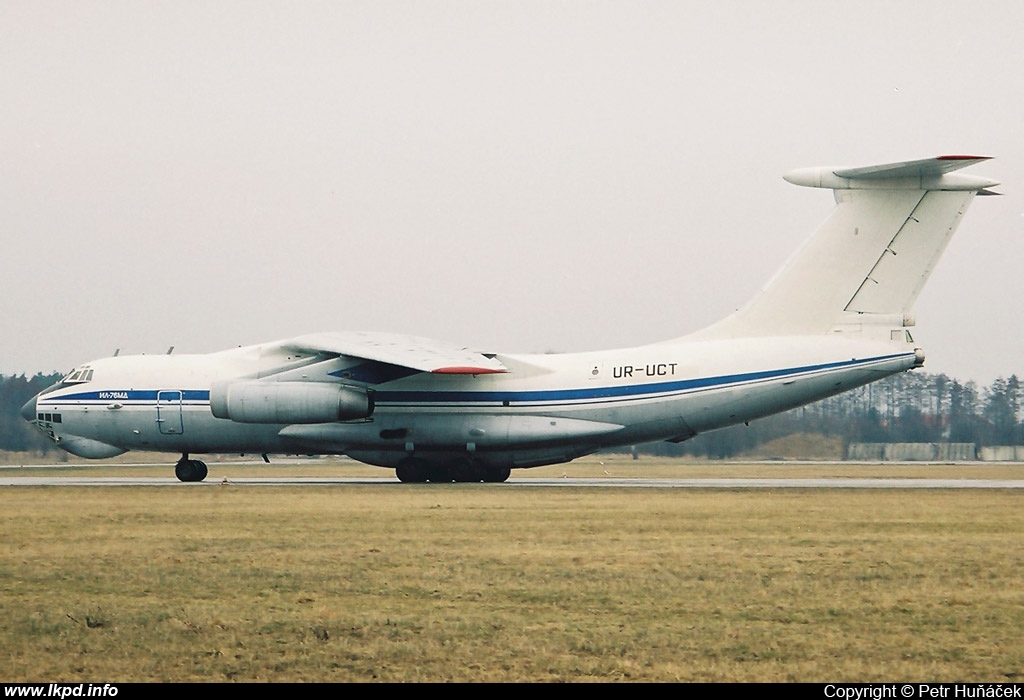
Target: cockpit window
x=78, y=376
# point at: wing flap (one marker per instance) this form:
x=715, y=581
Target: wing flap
x=423, y=354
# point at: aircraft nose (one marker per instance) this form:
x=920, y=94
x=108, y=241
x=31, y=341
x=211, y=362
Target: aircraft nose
x=28, y=411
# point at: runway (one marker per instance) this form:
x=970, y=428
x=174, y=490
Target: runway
x=521, y=482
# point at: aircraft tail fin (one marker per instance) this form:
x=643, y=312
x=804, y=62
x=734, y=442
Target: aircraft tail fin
x=865, y=266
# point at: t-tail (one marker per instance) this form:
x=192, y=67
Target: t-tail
x=861, y=272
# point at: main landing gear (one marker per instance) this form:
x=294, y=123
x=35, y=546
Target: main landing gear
x=418, y=471
x=190, y=469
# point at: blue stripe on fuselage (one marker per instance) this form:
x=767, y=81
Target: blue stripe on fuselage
x=612, y=392
x=145, y=395
x=426, y=396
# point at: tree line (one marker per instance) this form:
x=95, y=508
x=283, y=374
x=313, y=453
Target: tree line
x=15, y=433
x=907, y=407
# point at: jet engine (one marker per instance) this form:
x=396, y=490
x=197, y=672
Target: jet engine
x=288, y=402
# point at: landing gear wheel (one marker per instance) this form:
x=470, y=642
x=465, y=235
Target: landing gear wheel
x=190, y=470
x=496, y=476
x=412, y=471
x=467, y=471
x=439, y=474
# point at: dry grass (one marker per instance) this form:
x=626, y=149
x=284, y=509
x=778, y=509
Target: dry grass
x=496, y=583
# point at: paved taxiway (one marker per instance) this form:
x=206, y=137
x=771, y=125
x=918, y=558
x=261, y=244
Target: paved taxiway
x=575, y=482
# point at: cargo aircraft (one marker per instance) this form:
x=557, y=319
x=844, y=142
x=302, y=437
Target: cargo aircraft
x=835, y=317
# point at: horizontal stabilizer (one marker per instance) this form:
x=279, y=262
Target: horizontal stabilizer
x=927, y=174
x=929, y=167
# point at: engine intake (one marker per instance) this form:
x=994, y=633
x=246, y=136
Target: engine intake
x=288, y=402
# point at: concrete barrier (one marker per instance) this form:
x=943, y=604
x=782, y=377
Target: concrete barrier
x=1002, y=453
x=913, y=452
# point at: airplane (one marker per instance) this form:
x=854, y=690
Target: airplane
x=835, y=317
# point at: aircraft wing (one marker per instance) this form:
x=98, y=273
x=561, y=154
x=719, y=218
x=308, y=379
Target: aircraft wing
x=423, y=354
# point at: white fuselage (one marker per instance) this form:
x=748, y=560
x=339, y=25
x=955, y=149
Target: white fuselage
x=545, y=409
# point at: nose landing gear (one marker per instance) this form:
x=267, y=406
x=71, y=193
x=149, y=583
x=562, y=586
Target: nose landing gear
x=190, y=469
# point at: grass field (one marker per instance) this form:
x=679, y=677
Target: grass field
x=480, y=582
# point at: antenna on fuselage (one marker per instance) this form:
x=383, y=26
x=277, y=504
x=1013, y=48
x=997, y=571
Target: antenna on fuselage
x=170, y=350
x=117, y=352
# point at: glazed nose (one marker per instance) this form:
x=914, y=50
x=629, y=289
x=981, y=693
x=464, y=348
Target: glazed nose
x=28, y=411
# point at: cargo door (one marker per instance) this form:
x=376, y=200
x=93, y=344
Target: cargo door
x=168, y=412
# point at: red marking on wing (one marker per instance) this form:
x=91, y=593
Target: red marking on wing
x=467, y=370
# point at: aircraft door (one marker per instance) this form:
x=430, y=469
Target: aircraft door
x=168, y=412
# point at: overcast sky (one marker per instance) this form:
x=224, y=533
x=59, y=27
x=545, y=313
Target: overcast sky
x=514, y=176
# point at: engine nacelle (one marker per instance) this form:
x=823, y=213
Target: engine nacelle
x=288, y=402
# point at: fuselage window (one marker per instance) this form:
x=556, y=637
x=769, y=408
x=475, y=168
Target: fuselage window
x=56, y=418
